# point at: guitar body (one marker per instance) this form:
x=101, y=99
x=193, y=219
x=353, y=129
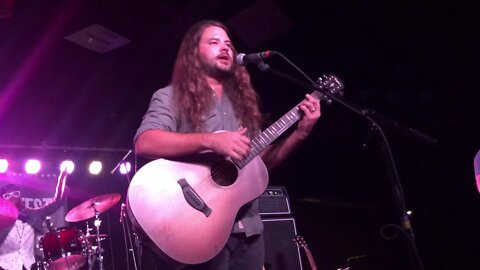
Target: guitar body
x=167, y=215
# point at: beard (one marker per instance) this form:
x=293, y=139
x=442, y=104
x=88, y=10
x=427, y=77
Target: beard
x=213, y=69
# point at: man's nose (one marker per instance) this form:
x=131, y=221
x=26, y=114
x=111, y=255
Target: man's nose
x=224, y=47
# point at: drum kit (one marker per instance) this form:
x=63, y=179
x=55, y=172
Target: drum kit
x=68, y=248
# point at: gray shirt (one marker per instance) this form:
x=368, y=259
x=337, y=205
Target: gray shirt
x=164, y=114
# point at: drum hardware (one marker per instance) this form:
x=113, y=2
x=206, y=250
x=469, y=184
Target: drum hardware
x=93, y=246
x=93, y=236
x=38, y=265
x=97, y=250
x=86, y=210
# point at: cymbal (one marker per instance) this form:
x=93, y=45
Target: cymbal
x=87, y=209
x=8, y=213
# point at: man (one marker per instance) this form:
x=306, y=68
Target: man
x=17, y=243
x=209, y=92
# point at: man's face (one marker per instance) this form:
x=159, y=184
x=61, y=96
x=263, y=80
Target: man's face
x=215, y=50
x=14, y=196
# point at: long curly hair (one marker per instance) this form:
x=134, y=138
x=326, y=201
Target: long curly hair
x=194, y=96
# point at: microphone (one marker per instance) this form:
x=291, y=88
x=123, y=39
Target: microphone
x=255, y=58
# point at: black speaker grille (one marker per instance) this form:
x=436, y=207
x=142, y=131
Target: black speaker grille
x=281, y=252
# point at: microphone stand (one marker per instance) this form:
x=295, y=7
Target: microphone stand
x=122, y=162
x=127, y=235
x=397, y=190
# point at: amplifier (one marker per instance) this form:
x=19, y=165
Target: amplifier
x=274, y=202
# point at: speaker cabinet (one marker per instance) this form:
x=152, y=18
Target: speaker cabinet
x=281, y=252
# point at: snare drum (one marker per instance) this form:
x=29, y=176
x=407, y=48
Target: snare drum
x=64, y=248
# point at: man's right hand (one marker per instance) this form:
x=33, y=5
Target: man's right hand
x=234, y=144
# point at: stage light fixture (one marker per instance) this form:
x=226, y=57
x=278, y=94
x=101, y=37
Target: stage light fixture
x=3, y=165
x=67, y=165
x=95, y=167
x=32, y=166
x=125, y=167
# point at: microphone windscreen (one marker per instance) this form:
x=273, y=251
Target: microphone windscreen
x=239, y=59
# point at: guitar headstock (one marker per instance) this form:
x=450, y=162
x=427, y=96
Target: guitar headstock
x=302, y=244
x=332, y=84
x=298, y=239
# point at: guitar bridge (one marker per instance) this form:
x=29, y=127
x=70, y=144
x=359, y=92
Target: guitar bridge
x=193, y=199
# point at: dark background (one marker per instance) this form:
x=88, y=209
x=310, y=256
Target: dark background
x=411, y=61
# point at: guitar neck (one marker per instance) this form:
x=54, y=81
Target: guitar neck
x=266, y=137
x=311, y=261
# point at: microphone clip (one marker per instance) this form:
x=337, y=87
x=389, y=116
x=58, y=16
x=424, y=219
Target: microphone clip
x=263, y=66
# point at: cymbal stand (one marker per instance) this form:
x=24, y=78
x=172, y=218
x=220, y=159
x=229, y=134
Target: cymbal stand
x=97, y=251
x=90, y=249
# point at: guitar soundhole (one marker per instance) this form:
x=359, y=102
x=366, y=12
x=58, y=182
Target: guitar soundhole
x=224, y=172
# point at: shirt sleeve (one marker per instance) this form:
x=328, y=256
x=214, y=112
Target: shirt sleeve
x=50, y=208
x=160, y=113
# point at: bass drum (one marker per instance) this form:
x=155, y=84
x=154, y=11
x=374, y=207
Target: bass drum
x=64, y=249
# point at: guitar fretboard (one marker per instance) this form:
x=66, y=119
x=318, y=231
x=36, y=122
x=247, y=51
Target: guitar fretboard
x=261, y=141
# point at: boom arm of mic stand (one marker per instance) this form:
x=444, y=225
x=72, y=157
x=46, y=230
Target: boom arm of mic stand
x=397, y=190
x=313, y=86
